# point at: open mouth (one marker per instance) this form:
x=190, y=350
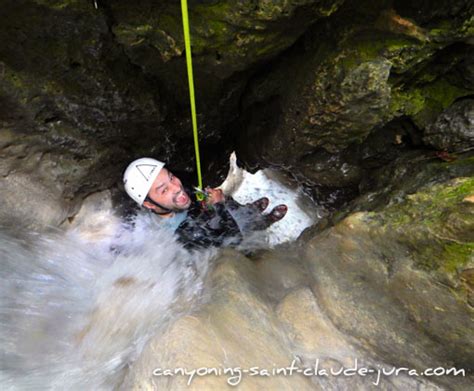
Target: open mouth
x=182, y=198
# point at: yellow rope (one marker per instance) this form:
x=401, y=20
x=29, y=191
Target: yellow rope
x=189, y=64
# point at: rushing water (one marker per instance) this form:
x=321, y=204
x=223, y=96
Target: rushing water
x=246, y=187
x=73, y=313
x=78, y=305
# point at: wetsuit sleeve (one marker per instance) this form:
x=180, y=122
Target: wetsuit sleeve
x=208, y=227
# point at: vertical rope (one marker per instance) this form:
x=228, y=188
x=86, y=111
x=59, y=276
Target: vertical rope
x=189, y=64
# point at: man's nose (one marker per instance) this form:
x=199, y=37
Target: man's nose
x=176, y=187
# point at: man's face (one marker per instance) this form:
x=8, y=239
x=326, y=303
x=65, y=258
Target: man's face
x=168, y=191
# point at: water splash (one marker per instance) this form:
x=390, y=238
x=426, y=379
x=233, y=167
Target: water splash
x=246, y=187
x=75, y=312
x=77, y=306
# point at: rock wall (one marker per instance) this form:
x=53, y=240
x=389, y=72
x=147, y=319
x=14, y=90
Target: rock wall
x=326, y=90
x=260, y=315
x=72, y=107
x=369, y=104
x=391, y=287
x=367, y=69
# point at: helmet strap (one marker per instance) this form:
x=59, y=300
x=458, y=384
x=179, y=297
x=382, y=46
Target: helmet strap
x=160, y=206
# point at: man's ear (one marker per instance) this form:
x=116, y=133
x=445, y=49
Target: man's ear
x=148, y=205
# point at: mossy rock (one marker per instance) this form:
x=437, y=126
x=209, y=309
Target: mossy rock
x=437, y=224
x=227, y=36
x=368, y=65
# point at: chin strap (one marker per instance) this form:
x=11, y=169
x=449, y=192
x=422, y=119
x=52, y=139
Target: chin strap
x=160, y=206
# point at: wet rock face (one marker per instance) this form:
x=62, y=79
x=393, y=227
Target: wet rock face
x=229, y=39
x=72, y=106
x=365, y=68
x=227, y=36
x=405, y=175
x=262, y=315
x=454, y=128
x=346, y=95
x=83, y=90
x=390, y=287
x=303, y=85
x=406, y=264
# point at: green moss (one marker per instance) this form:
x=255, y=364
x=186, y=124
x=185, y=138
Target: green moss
x=169, y=23
x=215, y=11
x=143, y=29
x=421, y=222
x=425, y=103
x=15, y=80
x=397, y=49
x=214, y=35
x=20, y=85
x=129, y=34
x=218, y=28
x=427, y=256
x=443, y=92
x=213, y=18
x=459, y=162
x=388, y=47
x=422, y=102
x=236, y=30
x=456, y=256
x=442, y=28
x=408, y=102
x=452, y=27
x=332, y=7
x=454, y=193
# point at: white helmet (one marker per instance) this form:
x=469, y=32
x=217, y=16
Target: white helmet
x=139, y=176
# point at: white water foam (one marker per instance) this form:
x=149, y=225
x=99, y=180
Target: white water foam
x=74, y=315
x=77, y=306
x=246, y=187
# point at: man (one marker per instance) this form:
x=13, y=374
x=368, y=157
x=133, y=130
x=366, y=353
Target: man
x=221, y=220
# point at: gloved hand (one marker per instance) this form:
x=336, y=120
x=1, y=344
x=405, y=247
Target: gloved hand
x=204, y=228
x=215, y=195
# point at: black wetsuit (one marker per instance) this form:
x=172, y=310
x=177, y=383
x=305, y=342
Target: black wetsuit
x=205, y=227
